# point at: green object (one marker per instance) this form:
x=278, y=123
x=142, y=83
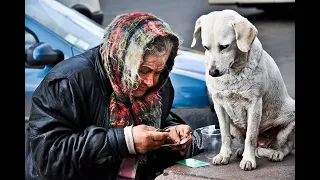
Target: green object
x=192, y=162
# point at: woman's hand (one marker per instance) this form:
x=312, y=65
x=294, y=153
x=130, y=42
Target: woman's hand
x=146, y=138
x=180, y=134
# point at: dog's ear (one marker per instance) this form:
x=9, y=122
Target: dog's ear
x=246, y=32
x=197, y=30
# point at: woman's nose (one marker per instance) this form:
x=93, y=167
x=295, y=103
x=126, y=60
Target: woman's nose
x=148, y=80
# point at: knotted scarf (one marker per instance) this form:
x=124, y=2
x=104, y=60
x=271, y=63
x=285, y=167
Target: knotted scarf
x=122, y=51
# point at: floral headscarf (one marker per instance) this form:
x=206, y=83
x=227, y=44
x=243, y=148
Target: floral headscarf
x=122, y=51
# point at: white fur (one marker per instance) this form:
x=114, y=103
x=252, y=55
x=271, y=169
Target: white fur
x=250, y=96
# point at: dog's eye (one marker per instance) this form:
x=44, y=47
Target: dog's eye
x=222, y=47
x=206, y=47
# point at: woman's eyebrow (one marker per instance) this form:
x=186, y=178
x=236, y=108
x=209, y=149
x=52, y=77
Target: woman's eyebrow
x=145, y=68
x=148, y=68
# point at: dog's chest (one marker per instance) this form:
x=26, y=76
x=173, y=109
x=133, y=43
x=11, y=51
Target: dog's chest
x=235, y=104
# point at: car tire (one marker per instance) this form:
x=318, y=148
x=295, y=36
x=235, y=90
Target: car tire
x=83, y=10
x=98, y=17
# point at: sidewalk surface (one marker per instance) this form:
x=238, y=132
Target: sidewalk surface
x=284, y=170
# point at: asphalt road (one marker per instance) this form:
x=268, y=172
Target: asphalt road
x=275, y=31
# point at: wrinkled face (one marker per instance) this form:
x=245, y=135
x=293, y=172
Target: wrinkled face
x=219, y=40
x=149, y=72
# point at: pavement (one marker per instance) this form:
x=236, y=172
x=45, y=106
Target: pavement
x=266, y=170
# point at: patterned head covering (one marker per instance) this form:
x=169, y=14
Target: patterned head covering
x=122, y=51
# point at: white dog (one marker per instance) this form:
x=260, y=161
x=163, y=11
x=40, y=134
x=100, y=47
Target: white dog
x=248, y=92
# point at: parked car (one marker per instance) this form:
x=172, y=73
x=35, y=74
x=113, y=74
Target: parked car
x=61, y=32
x=266, y=5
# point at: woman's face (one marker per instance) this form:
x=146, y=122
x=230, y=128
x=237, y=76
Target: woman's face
x=149, y=72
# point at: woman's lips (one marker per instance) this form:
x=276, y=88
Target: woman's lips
x=142, y=88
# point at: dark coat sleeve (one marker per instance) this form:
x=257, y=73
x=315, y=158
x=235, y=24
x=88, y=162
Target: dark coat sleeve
x=64, y=140
x=167, y=97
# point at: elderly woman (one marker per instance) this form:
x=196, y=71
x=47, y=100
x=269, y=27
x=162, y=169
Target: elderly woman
x=97, y=115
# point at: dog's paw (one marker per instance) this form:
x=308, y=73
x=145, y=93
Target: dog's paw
x=276, y=156
x=239, y=152
x=220, y=159
x=248, y=164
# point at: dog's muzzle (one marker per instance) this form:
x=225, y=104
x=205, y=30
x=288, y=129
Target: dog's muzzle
x=214, y=73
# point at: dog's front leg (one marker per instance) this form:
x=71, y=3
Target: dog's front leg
x=248, y=161
x=224, y=122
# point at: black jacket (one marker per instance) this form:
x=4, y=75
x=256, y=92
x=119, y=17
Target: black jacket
x=69, y=132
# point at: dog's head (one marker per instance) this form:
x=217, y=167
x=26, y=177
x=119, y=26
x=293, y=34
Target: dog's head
x=227, y=38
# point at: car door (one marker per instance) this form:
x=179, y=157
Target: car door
x=34, y=33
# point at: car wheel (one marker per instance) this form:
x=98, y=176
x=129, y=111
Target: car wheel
x=83, y=10
x=98, y=17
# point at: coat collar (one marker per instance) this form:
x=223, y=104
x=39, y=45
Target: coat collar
x=95, y=57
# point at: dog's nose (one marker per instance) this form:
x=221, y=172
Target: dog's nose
x=214, y=73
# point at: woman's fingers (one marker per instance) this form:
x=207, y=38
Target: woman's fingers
x=158, y=136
